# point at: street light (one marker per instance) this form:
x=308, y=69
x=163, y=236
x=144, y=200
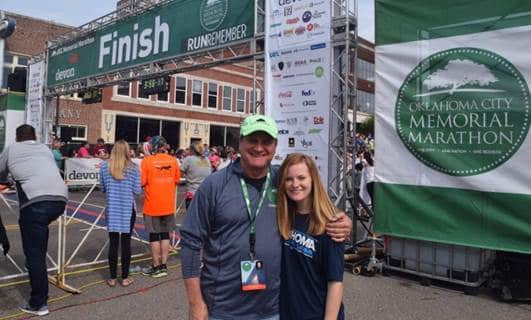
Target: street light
x=7, y=27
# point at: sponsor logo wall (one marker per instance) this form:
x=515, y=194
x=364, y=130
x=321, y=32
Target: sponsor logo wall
x=298, y=77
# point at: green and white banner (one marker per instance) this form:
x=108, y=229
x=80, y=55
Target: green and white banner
x=453, y=110
x=166, y=31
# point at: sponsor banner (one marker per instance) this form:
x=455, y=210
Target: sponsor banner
x=162, y=32
x=35, y=96
x=454, y=112
x=299, y=101
x=291, y=22
x=298, y=80
x=82, y=171
x=86, y=171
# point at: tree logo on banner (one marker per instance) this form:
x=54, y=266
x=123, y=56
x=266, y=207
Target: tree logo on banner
x=212, y=13
x=463, y=111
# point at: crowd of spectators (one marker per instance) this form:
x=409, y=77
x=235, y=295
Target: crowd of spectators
x=218, y=156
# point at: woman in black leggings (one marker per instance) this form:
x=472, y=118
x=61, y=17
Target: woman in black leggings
x=120, y=180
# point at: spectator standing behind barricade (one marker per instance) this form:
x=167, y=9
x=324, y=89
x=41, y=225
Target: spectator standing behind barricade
x=214, y=159
x=58, y=156
x=195, y=168
x=146, y=146
x=160, y=175
x=42, y=196
x=120, y=180
x=367, y=177
x=100, y=151
x=4, y=241
x=227, y=157
x=312, y=270
x=83, y=151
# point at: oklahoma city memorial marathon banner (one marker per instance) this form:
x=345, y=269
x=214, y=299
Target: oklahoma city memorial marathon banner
x=297, y=77
x=163, y=32
x=452, y=122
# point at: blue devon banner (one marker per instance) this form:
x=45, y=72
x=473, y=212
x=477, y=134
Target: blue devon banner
x=453, y=108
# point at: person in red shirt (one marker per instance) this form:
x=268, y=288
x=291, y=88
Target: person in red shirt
x=83, y=151
x=100, y=151
x=160, y=174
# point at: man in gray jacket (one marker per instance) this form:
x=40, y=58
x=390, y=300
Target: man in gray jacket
x=42, y=196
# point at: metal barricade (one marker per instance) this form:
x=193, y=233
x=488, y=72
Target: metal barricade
x=14, y=262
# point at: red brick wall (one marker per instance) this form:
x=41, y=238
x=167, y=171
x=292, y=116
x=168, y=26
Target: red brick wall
x=31, y=34
x=73, y=112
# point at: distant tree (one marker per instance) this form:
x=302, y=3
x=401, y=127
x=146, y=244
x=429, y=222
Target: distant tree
x=458, y=73
x=367, y=126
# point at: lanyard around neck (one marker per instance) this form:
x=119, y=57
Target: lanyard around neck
x=253, y=215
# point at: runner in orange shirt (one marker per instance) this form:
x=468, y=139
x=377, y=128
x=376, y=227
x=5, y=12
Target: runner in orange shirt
x=160, y=175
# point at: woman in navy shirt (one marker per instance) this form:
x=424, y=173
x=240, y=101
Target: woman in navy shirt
x=312, y=263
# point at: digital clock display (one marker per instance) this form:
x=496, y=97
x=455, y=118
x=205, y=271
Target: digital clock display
x=155, y=85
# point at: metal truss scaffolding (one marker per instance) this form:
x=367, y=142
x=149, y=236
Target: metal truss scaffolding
x=343, y=94
x=245, y=50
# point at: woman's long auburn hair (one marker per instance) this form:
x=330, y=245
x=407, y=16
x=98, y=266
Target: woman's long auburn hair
x=120, y=159
x=323, y=210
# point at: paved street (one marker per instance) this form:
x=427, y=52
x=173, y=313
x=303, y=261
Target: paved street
x=379, y=297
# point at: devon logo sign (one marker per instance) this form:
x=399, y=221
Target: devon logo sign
x=463, y=111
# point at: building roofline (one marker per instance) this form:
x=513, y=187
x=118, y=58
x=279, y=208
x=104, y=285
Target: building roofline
x=14, y=14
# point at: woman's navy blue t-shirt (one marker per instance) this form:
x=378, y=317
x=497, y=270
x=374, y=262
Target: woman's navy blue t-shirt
x=308, y=263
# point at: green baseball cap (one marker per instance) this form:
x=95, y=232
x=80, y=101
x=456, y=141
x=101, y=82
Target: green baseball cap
x=258, y=123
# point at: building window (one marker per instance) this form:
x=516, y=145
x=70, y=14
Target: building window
x=10, y=63
x=240, y=100
x=163, y=96
x=8, y=58
x=213, y=95
x=124, y=89
x=127, y=129
x=365, y=101
x=149, y=127
x=171, y=131
x=197, y=93
x=140, y=92
x=180, y=90
x=72, y=133
x=233, y=137
x=6, y=71
x=22, y=61
x=227, y=98
x=365, y=70
x=252, y=105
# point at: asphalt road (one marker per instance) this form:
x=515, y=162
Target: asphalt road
x=378, y=297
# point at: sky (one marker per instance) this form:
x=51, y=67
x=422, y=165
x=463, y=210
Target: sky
x=77, y=12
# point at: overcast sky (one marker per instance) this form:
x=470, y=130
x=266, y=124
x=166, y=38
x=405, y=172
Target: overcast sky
x=78, y=12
